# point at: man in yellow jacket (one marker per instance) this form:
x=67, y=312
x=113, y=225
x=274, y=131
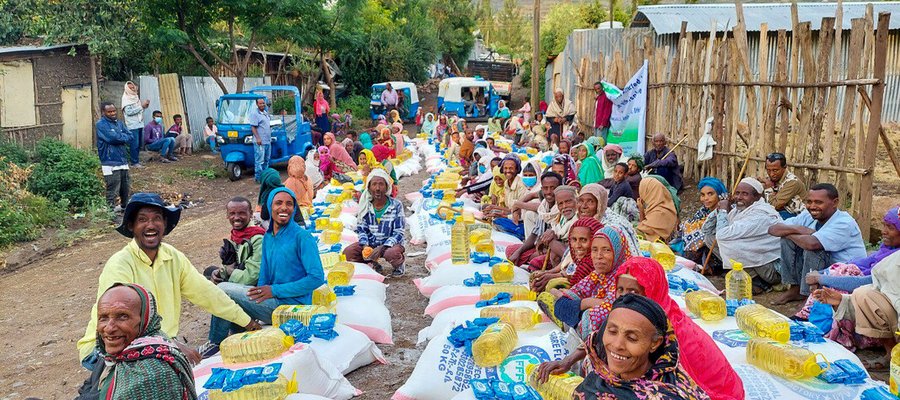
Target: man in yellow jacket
x=162, y=270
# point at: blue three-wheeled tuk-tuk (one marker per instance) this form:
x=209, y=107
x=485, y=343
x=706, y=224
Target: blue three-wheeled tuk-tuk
x=290, y=133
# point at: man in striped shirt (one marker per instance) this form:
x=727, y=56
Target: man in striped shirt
x=381, y=226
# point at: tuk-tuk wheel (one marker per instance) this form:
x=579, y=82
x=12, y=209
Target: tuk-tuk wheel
x=234, y=171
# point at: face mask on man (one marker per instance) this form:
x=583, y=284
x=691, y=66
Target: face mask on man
x=158, y=120
x=482, y=169
x=529, y=181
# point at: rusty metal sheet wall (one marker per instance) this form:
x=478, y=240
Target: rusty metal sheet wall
x=200, y=95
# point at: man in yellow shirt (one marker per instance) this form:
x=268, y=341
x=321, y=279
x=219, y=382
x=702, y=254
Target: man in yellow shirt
x=162, y=270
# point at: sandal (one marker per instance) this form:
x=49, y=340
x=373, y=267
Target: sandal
x=878, y=364
x=546, y=302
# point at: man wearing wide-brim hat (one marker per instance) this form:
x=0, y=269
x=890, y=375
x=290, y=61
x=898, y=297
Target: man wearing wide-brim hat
x=161, y=269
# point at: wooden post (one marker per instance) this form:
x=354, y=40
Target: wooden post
x=536, y=55
x=865, y=209
x=95, y=95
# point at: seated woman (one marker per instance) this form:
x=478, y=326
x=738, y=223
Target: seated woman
x=576, y=265
x=589, y=171
x=141, y=360
x=441, y=127
x=586, y=305
x=635, y=355
x=339, y=155
x=428, y=124
x=313, y=172
x=492, y=145
x=690, y=230
x=592, y=202
x=658, y=215
x=298, y=182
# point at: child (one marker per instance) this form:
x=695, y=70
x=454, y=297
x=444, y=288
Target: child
x=211, y=134
x=348, y=119
x=183, y=139
x=496, y=193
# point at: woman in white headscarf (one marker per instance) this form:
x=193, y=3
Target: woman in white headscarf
x=312, y=169
x=485, y=174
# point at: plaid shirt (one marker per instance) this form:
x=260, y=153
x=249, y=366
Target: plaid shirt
x=388, y=231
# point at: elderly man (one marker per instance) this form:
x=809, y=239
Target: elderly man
x=556, y=239
x=665, y=163
x=162, y=269
x=242, y=252
x=529, y=249
x=560, y=112
x=819, y=236
x=289, y=270
x=602, y=112
x=784, y=190
x=137, y=353
x=381, y=226
x=112, y=137
x=739, y=227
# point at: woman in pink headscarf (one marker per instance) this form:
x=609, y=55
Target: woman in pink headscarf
x=321, y=109
x=397, y=130
x=339, y=155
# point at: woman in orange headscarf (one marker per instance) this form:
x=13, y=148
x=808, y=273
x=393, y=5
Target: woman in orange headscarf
x=298, y=182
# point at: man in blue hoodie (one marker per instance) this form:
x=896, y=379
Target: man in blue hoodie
x=289, y=272
x=112, y=139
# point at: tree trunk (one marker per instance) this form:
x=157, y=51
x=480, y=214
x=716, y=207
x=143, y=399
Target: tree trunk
x=326, y=72
x=95, y=94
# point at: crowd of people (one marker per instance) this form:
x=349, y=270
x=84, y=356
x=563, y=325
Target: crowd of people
x=579, y=208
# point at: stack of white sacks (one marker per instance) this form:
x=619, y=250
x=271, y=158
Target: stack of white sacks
x=443, y=372
x=363, y=320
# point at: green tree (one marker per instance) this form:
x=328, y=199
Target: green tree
x=513, y=34
x=454, y=22
x=12, y=22
x=597, y=12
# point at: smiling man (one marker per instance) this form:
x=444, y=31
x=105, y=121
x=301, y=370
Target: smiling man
x=162, y=270
x=289, y=271
x=242, y=251
x=819, y=236
x=739, y=227
x=381, y=226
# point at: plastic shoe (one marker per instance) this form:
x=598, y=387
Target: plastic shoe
x=546, y=302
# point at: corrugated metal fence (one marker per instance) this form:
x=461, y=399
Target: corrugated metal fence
x=198, y=98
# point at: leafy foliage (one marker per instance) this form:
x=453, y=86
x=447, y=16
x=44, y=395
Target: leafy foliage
x=597, y=13
x=23, y=215
x=64, y=173
x=106, y=26
x=359, y=107
x=454, y=21
x=12, y=153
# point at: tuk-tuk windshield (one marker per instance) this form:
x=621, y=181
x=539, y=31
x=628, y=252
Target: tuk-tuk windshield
x=376, y=94
x=235, y=111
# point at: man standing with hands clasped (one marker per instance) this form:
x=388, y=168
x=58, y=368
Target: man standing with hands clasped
x=260, y=121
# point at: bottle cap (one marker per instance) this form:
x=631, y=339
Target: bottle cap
x=736, y=265
x=782, y=336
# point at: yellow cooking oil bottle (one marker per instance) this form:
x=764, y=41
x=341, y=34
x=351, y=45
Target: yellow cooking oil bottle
x=895, y=368
x=738, y=283
x=485, y=246
x=706, y=305
x=479, y=234
x=300, y=312
x=760, y=322
x=662, y=253
x=557, y=387
x=459, y=242
x=519, y=317
x=503, y=272
x=784, y=360
x=340, y=273
x=329, y=259
x=325, y=297
x=277, y=390
x=261, y=345
x=494, y=344
x=517, y=292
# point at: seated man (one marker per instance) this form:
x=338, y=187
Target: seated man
x=156, y=141
x=740, y=229
x=521, y=255
x=819, y=236
x=289, y=270
x=664, y=162
x=620, y=186
x=240, y=254
x=783, y=190
x=381, y=226
x=139, y=355
x=162, y=269
x=556, y=239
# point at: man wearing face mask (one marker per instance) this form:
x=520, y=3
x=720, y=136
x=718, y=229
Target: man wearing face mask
x=153, y=137
x=740, y=228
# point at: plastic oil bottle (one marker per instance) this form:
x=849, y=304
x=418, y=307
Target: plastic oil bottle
x=478, y=234
x=329, y=259
x=517, y=292
x=279, y=389
x=662, y=253
x=301, y=312
x=781, y=359
x=738, y=283
x=341, y=273
x=760, y=322
x=485, y=246
x=459, y=242
x=519, y=317
x=494, y=344
x=706, y=305
x=895, y=368
x=503, y=272
x=264, y=344
x=325, y=297
x=557, y=387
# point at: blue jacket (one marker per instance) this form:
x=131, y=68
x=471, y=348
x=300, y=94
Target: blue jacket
x=112, y=136
x=290, y=260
